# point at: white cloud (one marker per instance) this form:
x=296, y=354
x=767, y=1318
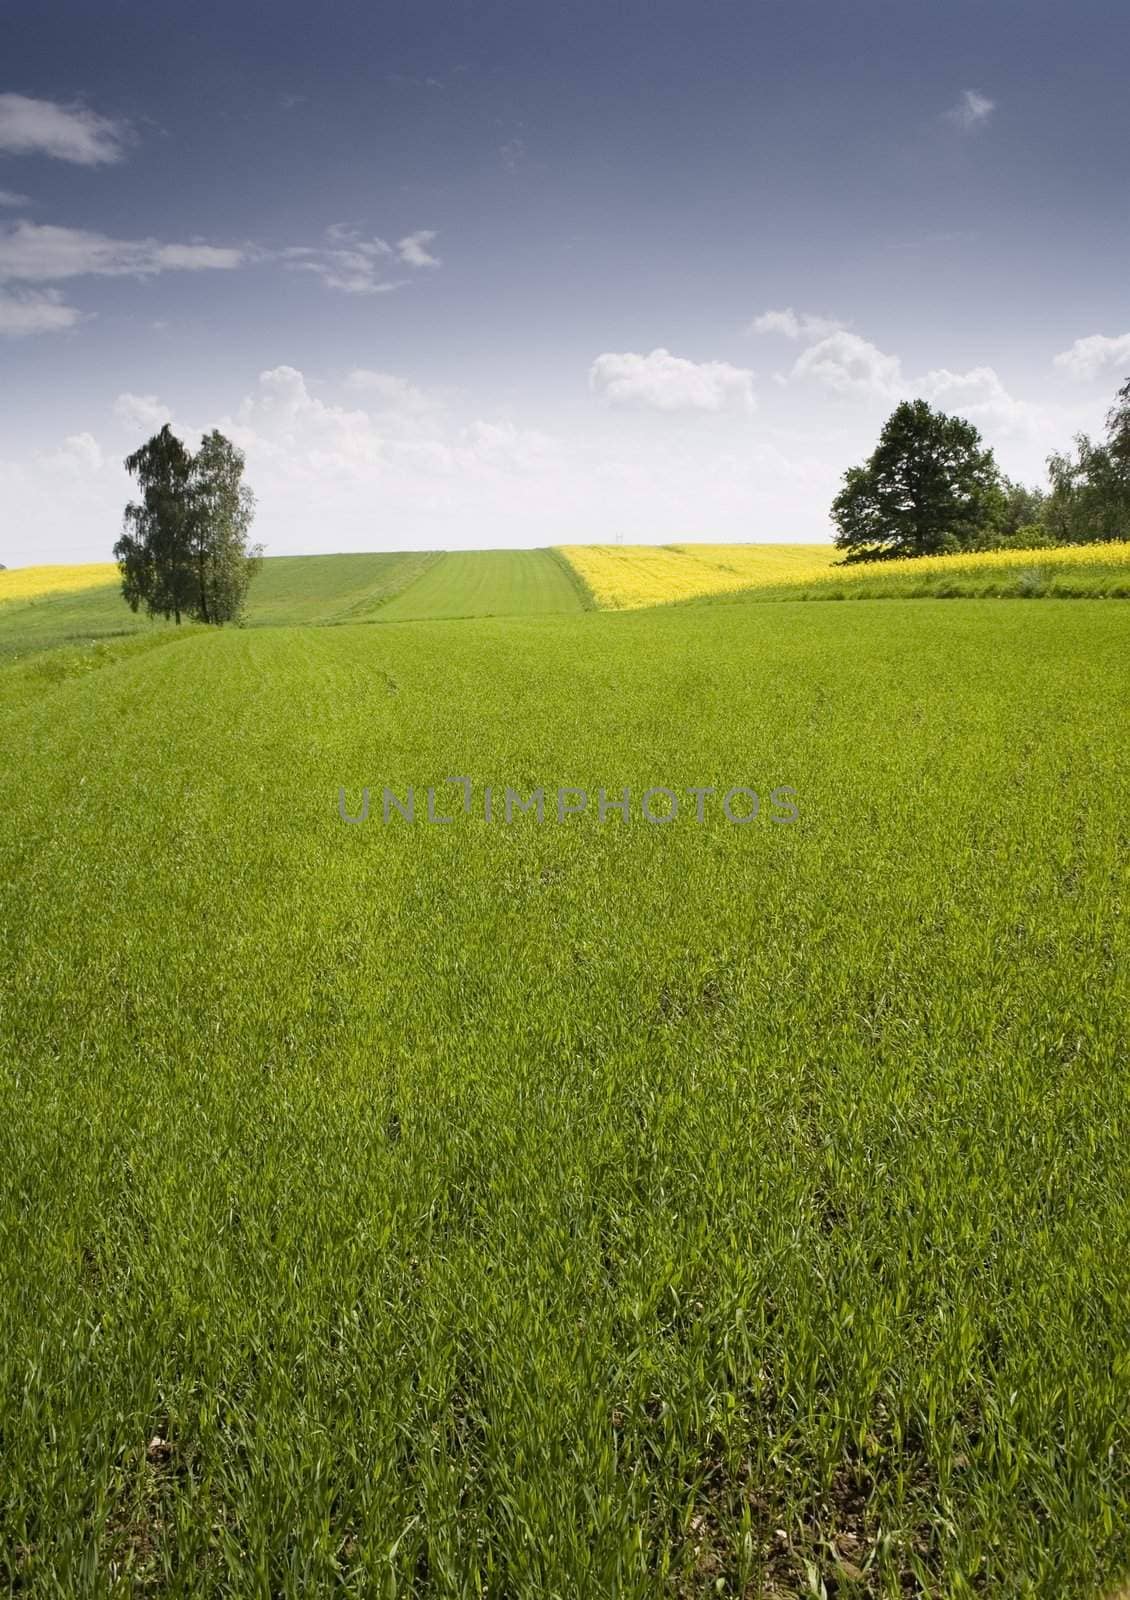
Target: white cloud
x=972, y=110
x=69, y=133
x=26, y=311
x=285, y=416
x=506, y=446
x=411, y=249
x=1089, y=357
x=64, y=502
x=142, y=412
x=80, y=453
x=848, y=364
x=794, y=326
x=32, y=253
x=194, y=258
x=856, y=369
x=980, y=395
x=349, y=273
x=354, y=264
x=664, y=382
x=341, y=233
x=9, y=197
x=35, y=253
x=840, y=360
x=387, y=478
x=390, y=392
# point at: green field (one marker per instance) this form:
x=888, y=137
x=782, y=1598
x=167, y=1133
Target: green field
x=291, y=590
x=488, y=583
x=69, y=619
x=296, y=590
x=574, y=1209
x=287, y=590
x=428, y=585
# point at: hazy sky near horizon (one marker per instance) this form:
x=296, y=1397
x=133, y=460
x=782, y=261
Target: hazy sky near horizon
x=506, y=273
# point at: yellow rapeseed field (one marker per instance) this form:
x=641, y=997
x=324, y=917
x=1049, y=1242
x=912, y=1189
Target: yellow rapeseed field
x=1113, y=552
x=627, y=577
x=624, y=577
x=34, y=583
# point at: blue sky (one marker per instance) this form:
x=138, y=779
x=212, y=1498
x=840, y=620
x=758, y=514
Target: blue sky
x=516, y=273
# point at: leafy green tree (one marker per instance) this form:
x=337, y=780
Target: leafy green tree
x=1090, y=493
x=930, y=487
x=221, y=509
x=153, y=554
x=184, y=551
x=1023, y=507
x=1118, y=431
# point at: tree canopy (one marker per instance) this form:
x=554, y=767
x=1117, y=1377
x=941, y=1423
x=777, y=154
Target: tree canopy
x=930, y=486
x=1090, y=493
x=184, y=550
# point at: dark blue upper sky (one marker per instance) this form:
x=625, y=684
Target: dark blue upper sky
x=498, y=272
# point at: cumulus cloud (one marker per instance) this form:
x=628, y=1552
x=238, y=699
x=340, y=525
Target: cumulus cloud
x=63, y=501
x=980, y=395
x=793, y=325
x=390, y=393
x=853, y=367
x=1089, y=357
x=80, y=453
x=849, y=364
x=26, y=311
x=972, y=110
x=37, y=253
x=282, y=417
x=9, y=197
x=506, y=446
x=305, y=436
x=142, y=412
x=665, y=382
x=380, y=473
x=66, y=132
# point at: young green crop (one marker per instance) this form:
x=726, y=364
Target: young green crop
x=290, y=590
x=570, y=1210
x=488, y=583
x=47, y=608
